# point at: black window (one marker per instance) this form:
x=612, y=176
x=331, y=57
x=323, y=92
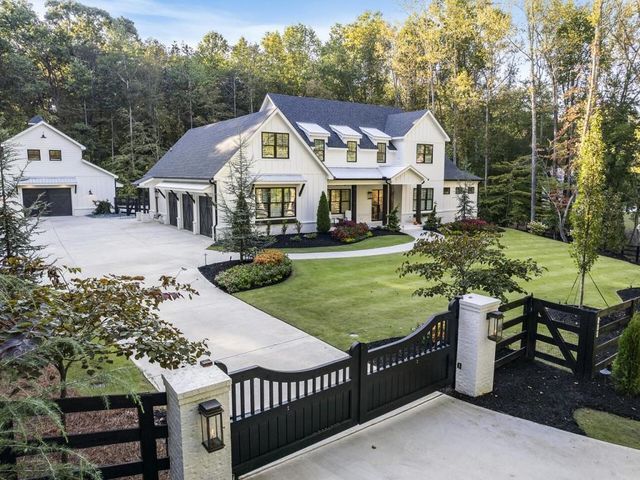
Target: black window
x=446, y=190
x=352, y=151
x=340, y=200
x=426, y=199
x=277, y=202
x=318, y=148
x=424, y=153
x=275, y=145
x=459, y=190
x=471, y=190
x=55, y=155
x=382, y=153
x=33, y=155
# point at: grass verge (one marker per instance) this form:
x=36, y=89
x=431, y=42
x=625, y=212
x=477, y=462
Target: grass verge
x=608, y=427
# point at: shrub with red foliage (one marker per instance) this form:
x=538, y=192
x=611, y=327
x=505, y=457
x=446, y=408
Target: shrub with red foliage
x=348, y=231
x=471, y=225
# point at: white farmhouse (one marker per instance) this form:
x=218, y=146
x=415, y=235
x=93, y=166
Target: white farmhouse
x=54, y=170
x=369, y=159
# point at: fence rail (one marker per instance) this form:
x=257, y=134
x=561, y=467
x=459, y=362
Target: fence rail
x=145, y=434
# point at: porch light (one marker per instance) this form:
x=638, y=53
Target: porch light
x=211, y=423
x=495, y=321
x=369, y=195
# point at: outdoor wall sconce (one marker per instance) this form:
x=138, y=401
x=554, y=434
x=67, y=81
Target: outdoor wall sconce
x=43, y=135
x=90, y=193
x=369, y=195
x=495, y=325
x=211, y=423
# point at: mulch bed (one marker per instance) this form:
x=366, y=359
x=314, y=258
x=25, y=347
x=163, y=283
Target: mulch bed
x=322, y=239
x=213, y=269
x=628, y=293
x=547, y=395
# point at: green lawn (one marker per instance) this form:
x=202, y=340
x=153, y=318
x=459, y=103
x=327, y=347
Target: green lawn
x=343, y=300
x=122, y=376
x=608, y=427
x=373, y=242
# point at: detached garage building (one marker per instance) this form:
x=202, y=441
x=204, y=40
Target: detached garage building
x=54, y=171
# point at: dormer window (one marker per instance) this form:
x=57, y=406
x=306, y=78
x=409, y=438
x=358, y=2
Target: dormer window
x=55, y=155
x=382, y=153
x=275, y=145
x=33, y=155
x=352, y=151
x=424, y=153
x=318, y=148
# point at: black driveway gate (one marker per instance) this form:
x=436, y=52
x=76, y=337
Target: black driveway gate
x=277, y=413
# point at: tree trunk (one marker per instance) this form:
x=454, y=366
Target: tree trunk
x=534, y=140
x=486, y=145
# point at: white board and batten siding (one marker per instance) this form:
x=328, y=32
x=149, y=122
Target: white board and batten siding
x=87, y=177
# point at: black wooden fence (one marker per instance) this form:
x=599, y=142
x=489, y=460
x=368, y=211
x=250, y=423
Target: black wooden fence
x=582, y=340
x=276, y=413
x=145, y=434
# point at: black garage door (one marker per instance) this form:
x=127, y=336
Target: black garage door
x=187, y=211
x=57, y=200
x=206, y=215
x=173, y=209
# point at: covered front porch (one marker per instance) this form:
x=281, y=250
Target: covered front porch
x=370, y=194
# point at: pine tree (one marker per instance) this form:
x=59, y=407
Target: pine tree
x=393, y=220
x=466, y=207
x=238, y=207
x=323, y=218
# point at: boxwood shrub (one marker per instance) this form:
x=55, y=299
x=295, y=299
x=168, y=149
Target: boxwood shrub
x=254, y=275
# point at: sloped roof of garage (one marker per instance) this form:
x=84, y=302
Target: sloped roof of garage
x=203, y=151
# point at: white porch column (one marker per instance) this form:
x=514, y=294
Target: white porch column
x=196, y=217
x=476, y=353
x=179, y=213
x=165, y=218
x=186, y=389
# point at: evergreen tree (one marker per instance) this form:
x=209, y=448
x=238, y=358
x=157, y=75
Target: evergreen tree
x=323, y=218
x=466, y=207
x=238, y=206
x=393, y=220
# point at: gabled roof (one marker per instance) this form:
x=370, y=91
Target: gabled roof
x=333, y=112
x=452, y=172
x=398, y=124
x=42, y=123
x=201, y=152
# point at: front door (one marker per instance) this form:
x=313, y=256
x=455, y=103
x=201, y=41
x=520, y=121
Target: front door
x=376, y=205
x=187, y=212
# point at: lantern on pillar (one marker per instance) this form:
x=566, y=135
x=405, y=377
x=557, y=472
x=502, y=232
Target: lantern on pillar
x=211, y=424
x=495, y=321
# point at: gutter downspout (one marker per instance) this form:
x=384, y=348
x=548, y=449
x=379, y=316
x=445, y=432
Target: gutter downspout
x=215, y=208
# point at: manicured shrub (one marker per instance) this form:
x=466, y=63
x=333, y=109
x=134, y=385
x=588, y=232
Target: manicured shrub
x=310, y=236
x=537, y=228
x=432, y=221
x=348, y=231
x=471, y=225
x=270, y=256
x=253, y=275
x=393, y=221
x=103, y=207
x=626, y=367
x=298, y=226
x=284, y=227
x=323, y=218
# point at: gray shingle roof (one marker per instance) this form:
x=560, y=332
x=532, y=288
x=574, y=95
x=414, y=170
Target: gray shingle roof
x=201, y=152
x=398, y=124
x=452, y=172
x=333, y=112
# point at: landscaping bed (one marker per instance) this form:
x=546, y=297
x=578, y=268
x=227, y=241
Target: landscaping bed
x=321, y=239
x=547, y=395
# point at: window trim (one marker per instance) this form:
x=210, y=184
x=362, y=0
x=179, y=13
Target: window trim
x=316, y=149
x=446, y=190
x=383, y=152
x=424, y=202
x=340, y=202
x=459, y=190
x=422, y=158
x=275, y=145
x=354, y=151
x=471, y=190
x=55, y=159
x=282, y=210
x=31, y=150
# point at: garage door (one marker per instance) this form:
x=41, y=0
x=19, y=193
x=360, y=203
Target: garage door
x=57, y=200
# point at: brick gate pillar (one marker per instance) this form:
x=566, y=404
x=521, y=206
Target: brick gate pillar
x=186, y=389
x=476, y=353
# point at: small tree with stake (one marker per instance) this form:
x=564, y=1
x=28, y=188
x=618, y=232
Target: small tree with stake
x=239, y=207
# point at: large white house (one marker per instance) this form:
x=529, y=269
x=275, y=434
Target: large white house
x=369, y=159
x=53, y=170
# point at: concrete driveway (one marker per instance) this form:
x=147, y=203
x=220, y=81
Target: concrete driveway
x=442, y=438
x=238, y=334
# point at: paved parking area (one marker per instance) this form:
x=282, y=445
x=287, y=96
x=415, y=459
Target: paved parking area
x=238, y=334
x=442, y=438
